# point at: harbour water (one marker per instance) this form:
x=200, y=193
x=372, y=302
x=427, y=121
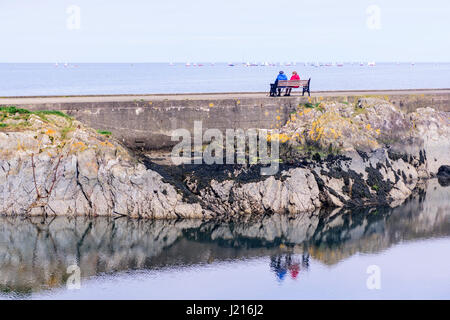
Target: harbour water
x=141, y=78
x=310, y=256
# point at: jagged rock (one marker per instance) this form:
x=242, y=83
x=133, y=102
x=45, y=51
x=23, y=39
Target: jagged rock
x=443, y=175
x=433, y=128
x=51, y=170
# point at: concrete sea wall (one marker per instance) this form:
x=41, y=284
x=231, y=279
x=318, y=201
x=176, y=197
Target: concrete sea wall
x=147, y=121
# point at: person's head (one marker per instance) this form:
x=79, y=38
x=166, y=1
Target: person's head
x=294, y=72
x=281, y=72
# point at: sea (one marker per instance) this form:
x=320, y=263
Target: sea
x=38, y=79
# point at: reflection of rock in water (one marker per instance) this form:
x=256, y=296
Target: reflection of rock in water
x=35, y=253
x=425, y=215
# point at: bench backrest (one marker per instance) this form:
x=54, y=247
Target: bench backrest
x=293, y=83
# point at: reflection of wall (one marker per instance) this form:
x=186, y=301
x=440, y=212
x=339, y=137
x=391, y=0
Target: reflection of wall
x=35, y=253
x=425, y=215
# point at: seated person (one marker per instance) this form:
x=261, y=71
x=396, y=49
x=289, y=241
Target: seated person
x=295, y=76
x=273, y=86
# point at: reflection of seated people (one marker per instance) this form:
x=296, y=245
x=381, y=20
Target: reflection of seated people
x=277, y=266
x=294, y=270
x=281, y=264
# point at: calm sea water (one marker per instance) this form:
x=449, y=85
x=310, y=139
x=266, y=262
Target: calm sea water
x=141, y=78
x=275, y=257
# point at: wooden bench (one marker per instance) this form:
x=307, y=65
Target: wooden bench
x=304, y=84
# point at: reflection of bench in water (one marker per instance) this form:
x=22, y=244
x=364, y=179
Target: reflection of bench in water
x=280, y=84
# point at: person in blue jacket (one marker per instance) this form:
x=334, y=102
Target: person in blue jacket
x=273, y=86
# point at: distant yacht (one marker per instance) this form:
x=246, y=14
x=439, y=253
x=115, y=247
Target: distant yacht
x=171, y=64
x=371, y=64
x=340, y=64
x=188, y=64
x=230, y=64
x=66, y=65
x=413, y=63
x=361, y=64
x=56, y=64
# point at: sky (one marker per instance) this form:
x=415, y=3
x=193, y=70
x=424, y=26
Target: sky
x=224, y=30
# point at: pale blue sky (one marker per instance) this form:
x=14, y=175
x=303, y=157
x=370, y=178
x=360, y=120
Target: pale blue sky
x=223, y=30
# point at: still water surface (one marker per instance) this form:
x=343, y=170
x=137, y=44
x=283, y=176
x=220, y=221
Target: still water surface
x=274, y=257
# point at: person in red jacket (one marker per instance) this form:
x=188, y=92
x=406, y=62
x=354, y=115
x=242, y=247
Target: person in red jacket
x=294, y=76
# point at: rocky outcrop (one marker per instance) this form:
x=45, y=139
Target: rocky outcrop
x=338, y=155
x=444, y=175
x=358, y=179
x=53, y=165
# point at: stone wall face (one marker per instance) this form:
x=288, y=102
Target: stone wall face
x=149, y=124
